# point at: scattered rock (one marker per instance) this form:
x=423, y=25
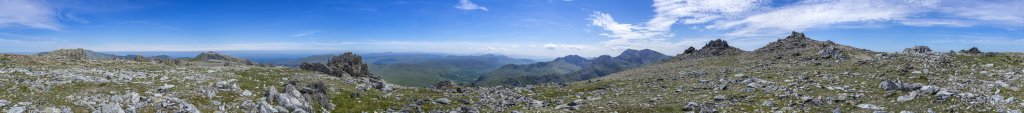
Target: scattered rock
x=246, y=93
x=907, y=97
x=930, y=90
x=943, y=95
x=16, y=109
x=720, y=98
x=443, y=101
x=870, y=106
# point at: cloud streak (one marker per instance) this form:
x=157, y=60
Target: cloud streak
x=305, y=33
x=469, y=6
x=28, y=13
x=744, y=19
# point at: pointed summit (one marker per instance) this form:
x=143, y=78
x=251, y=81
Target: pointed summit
x=645, y=56
x=573, y=59
x=796, y=35
x=799, y=46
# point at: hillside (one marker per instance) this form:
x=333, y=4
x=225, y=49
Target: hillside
x=80, y=54
x=793, y=74
x=569, y=68
x=799, y=74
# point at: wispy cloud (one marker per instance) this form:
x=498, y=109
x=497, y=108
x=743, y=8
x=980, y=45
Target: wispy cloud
x=28, y=13
x=742, y=19
x=935, y=22
x=816, y=14
x=469, y=6
x=305, y=33
x=653, y=33
x=16, y=42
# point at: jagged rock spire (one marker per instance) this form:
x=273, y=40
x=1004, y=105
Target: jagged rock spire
x=716, y=44
x=689, y=50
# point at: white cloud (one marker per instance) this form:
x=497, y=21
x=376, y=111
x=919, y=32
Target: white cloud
x=27, y=13
x=551, y=46
x=999, y=12
x=667, y=14
x=817, y=14
x=743, y=20
x=469, y=6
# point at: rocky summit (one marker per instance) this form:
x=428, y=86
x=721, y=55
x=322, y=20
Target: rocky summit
x=793, y=74
x=711, y=49
x=347, y=64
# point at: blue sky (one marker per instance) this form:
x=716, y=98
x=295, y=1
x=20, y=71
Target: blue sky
x=530, y=28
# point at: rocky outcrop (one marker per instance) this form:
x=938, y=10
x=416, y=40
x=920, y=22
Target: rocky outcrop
x=713, y=48
x=214, y=56
x=294, y=99
x=347, y=64
x=973, y=50
x=831, y=53
x=689, y=50
x=447, y=84
x=917, y=50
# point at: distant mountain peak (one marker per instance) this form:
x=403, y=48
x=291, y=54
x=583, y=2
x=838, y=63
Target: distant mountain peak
x=210, y=55
x=79, y=53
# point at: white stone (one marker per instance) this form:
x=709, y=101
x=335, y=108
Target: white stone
x=18, y=109
x=870, y=106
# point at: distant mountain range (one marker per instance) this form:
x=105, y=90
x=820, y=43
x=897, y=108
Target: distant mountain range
x=421, y=69
x=569, y=68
